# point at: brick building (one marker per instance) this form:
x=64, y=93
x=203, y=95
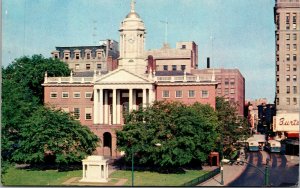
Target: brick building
x=98, y=98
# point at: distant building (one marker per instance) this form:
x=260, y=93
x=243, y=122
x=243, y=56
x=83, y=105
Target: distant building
x=182, y=58
x=231, y=85
x=287, y=22
x=252, y=112
x=102, y=57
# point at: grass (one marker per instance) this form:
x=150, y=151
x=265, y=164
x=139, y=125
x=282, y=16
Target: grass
x=27, y=177
x=157, y=179
x=16, y=177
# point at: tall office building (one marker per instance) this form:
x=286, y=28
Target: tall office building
x=287, y=32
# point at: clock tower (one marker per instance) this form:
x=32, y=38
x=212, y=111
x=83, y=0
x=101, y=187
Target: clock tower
x=132, y=42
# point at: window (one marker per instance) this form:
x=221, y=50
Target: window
x=294, y=47
x=277, y=101
x=204, y=94
x=88, y=66
x=77, y=56
x=65, y=94
x=294, y=18
x=294, y=57
x=77, y=113
x=295, y=101
x=287, y=18
x=183, y=47
x=165, y=67
x=287, y=36
x=76, y=95
x=288, y=101
x=219, y=91
x=77, y=66
x=294, y=26
x=287, y=78
x=287, y=67
x=288, y=89
x=67, y=56
x=53, y=94
x=226, y=81
x=277, y=78
x=88, y=95
x=287, y=26
x=99, y=66
x=232, y=91
x=88, y=113
x=277, y=89
x=88, y=56
x=232, y=82
x=288, y=47
x=174, y=67
x=56, y=56
x=191, y=93
x=277, y=67
x=294, y=36
x=178, y=94
x=288, y=57
x=99, y=55
x=226, y=91
x=294, y=67
x=277, y=47
x=166, y=94
x=183, y=67
x=295, y=89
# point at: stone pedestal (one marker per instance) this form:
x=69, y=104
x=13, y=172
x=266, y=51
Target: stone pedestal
x=94, y=169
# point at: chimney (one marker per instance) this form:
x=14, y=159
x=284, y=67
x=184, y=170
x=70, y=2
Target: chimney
x=208, y=63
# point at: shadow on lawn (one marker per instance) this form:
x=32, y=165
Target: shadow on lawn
x=121, y=164
x=49, y=166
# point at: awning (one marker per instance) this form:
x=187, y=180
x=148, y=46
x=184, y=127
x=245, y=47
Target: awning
x=292, y=135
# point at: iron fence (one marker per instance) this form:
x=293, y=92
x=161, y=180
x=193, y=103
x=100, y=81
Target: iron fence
x=202, y=178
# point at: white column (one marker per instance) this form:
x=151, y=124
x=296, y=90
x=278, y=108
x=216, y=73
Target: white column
x=118, y=106
x=130, y=99
x=151, y=96
x=96, y=112
x=134, y=100
x=114, y=106
x=106, y=113
x=144, y=98
x=101, y=106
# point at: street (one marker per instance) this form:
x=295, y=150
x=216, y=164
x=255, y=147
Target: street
x=282, y=172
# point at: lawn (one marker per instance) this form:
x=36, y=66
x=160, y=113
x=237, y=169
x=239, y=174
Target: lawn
x=157, y=179
x=16, y=177
x=26, y=177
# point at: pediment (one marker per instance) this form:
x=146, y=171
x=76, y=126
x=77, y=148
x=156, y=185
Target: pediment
x=122, y=76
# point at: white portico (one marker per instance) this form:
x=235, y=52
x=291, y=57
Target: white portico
x=120, y=91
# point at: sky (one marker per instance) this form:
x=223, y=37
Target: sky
x=234, y=33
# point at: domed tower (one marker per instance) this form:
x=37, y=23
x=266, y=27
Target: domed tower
x=132, y=42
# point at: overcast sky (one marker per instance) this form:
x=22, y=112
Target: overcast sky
x=243, y=31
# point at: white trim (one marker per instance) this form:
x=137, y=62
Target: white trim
x=192, y=96
x=64, y=92
x=204, y=97
x=51, y=93
x=74, y=93
x=91, y=93
x=168, y=94
x=180, y=94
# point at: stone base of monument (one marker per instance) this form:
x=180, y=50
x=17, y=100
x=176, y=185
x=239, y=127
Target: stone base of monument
x=94, y=169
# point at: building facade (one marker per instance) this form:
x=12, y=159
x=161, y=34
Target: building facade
x=98, y=99
x=231, y=85
x=287, y=22
x=101, y=58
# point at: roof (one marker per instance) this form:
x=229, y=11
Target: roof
x=170, y=73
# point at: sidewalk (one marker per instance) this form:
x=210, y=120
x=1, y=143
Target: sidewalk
x=230, y=173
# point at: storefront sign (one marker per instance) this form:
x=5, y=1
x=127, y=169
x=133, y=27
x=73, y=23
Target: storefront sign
x=286, y=122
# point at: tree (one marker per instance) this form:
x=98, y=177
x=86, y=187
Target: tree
x=185, y=133
x=22, y=105
x=29, y=72
x=53, y=133
x=232, y=128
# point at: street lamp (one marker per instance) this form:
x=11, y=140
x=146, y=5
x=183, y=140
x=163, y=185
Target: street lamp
x=222, y=178
x=132, y=163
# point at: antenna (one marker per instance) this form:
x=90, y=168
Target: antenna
x=166, y=30
x=94, y=32
x=212, y=38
